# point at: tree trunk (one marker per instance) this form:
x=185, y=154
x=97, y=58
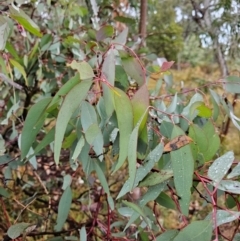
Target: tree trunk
x=143, y=22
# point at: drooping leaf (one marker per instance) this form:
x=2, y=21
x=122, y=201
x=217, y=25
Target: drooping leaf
x=92, y=132
x=88, y=115
x=196, y=231
x=33, y=123
x=124, y=113
x=189, y=110
x=83, y=234
x=121, y=39
x=200, y=144
x=156, y=178
x=16, y=230
x=104, y=184
x=228, y=186
x=143, y=170
x=220, y=167
x=152, y=193
x=132, y=67
x=63, y=208
x=48, y=138
x=4, y=32
x=213, y=141
x=63, y=91
x=4, y=192
x=169, y=235
x=136, y=208
x=232, y=84
x=235, y=171
x=72, y=100
x=215, y=101
x=67, y=180
x=23, y=19
x=104, y=32
x=164, y=200
x=20, y=68
x=183, y=165
x=140, y=103
x=223, y=216
x=78, y=148
x=108, y=68
x=84, y=69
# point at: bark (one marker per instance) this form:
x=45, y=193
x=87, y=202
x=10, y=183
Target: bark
x=203, y=19
x=143, y=21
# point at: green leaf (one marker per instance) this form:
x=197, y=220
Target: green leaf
x=78, y=148
x=213, y=141
x=33, y=124
x=84, y=69
x=104, y=32
x=104, y=184
x=4, y=32
x=156, y=178
x=183, y=166
x=152, y=193
x=88, y=115
x=232, y=84
x=169, y=235
x=20, y=68
x=83, y=234
x=48, y=138
x=67, y=180
x=63, y=208
x=220, y=167
x=132, y=67
x=16, y=230
x=164, y=200
x=121, y=78
x=63, y=91
x=199, y=145
x=136, y=209
x=153, y=157
x=91, y=133
x=72, y=100
x=4, y=193
x=235, y=171
x=204, y=111
x=132, y=157
x=189, y=110
x=196, y=231
x=124, y=113
x=24, y=20
x=215, y=101
x=228, y=186
x=108, y=68
x=223, y=216
x=121, y=39
x=140, y=103
x=125, y=20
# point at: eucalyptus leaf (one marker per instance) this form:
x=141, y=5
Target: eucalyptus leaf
x=196, y=231
x=33, y=123
x=220, y=167
x=72, y=100
x=183, y=166
x=63, y=208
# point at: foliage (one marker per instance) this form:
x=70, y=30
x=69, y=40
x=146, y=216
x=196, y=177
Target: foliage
x=89, y=150
x=165, y=36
